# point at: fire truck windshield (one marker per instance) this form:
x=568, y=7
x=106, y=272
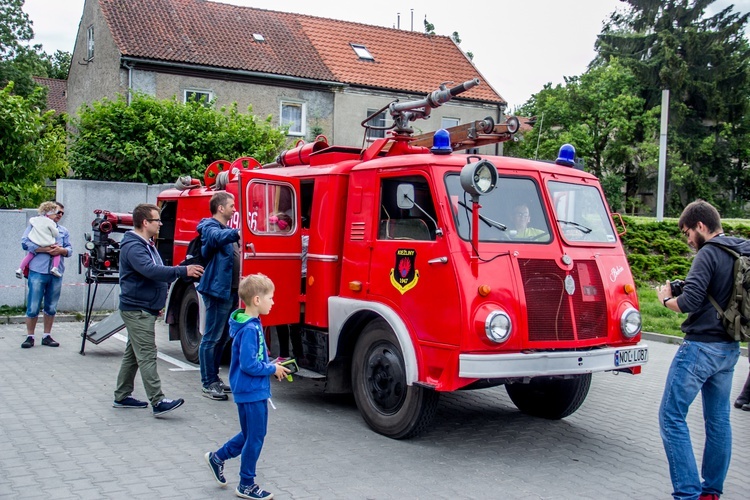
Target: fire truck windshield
x=512, y=212
x=580, y=213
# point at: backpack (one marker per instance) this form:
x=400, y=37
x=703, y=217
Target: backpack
x=194, y=256
x=736, y=317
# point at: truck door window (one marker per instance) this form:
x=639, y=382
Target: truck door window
x=581, y=213
x=402, y=223
x=513, y=212
x=272, y=208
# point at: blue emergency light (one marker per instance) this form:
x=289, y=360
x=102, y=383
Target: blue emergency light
x=566, y=156
x=441, y=143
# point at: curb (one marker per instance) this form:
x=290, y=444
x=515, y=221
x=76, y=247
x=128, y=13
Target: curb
x=59, y=318
x=669, y=339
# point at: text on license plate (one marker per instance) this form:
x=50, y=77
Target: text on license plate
x=627, y=357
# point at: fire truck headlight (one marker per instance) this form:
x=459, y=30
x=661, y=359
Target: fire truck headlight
x=630, y=322
x=498, y=326
x=478, y=178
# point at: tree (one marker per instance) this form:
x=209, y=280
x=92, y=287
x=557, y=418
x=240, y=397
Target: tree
x=155, y=141
x=704, y=62
x=32, y=150
x=15, y=27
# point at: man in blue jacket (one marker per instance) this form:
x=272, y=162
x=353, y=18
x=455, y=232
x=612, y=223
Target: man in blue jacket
x=144, y=281
x=218, y=245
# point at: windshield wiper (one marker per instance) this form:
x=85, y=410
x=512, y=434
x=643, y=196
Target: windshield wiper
x=486, y=220
x=580, y=227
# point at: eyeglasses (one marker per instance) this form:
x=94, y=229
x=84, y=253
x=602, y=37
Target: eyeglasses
x=154, y=220
x=686, y=232
x=60, y=213
x=521, y=214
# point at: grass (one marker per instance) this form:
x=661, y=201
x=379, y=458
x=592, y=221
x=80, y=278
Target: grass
x=657, y=318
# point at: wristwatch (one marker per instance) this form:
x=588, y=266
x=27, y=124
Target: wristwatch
x=666, y=299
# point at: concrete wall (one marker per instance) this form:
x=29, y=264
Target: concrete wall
x=80, y=198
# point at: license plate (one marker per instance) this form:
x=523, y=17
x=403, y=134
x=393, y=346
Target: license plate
x=629, y=357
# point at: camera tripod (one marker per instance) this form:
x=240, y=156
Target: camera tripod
x=109, y=325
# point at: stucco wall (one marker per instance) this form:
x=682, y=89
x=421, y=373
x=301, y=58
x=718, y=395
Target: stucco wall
x=80, y=198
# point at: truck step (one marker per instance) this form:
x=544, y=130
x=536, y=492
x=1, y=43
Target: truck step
x=304, y=372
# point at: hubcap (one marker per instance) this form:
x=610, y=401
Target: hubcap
x=386, y=381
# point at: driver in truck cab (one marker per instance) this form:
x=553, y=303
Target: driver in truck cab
x=521, y=219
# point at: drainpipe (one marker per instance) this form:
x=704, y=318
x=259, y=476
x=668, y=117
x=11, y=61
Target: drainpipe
x=130, y=79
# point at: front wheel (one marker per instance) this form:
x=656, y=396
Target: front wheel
x=189, y=324
x=388, y=405
x=551, y=398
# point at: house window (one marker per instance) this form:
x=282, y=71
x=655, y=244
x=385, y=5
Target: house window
x=449, y=122
x=293, y=116
x=203, y=96
x=376, y=121
x=362, y=52
x=90, y=43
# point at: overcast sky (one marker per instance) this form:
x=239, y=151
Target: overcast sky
x=518, y=45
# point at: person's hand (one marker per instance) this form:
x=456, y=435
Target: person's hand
x=664, y=291
x=281, y=372
x=194, y=271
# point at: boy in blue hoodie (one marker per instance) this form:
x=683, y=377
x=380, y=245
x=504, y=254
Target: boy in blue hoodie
x=249, y=374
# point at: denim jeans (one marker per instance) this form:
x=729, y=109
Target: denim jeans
x=214, y=338
x=705, y=367
x=42, y=286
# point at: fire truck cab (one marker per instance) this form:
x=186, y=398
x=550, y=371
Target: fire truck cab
x=411, y=270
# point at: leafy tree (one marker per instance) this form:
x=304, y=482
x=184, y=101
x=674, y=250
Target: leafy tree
x=32, y=150
x=429, y=28
x=15, y=27
x=155, y=141
x=705, y=63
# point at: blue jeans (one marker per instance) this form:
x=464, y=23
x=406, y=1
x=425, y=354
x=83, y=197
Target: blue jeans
x=249, y=442
x=214, y=338
x=42, y=286
x=705, y=367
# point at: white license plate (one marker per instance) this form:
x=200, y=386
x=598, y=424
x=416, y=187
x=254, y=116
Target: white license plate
x=629, y=357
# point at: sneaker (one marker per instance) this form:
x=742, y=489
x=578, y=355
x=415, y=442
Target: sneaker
x=709, y=496
x=19, y=273
x=166, y=405
x=55, y=272
x=252, y=491
x=214, y=392
x=745, y=407
x=29, y=342
x=48, y=340
x=129, y=402
x=217, y=467
x=225, y=387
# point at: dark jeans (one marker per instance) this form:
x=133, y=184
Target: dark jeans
x=215, y=337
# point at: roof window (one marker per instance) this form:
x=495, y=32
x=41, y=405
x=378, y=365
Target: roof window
x=362, y=52
x=258, y=37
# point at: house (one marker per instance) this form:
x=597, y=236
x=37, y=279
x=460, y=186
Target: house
x=57, y=91
x=312, y=74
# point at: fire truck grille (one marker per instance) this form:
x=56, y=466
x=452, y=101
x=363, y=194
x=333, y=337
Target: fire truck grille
x=553, y=314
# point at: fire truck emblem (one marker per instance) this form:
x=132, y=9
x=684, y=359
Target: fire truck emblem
x=404, y=276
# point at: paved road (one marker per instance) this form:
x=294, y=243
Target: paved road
x=60, y=438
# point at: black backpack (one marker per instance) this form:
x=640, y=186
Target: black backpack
x=194, y=256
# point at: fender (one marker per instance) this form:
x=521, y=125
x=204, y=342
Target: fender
x=341, y=309
x=173, y=307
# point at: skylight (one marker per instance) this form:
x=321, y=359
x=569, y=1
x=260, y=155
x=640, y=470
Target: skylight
x=258, y=37
x=362, y=52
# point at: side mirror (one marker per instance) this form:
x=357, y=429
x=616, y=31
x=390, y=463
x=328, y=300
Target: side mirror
x=405, y=196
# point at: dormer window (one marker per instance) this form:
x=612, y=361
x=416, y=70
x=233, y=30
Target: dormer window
x=259, y=38
x=362, y=52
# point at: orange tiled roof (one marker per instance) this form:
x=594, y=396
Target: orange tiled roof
x=56, y=94
x=221, y=35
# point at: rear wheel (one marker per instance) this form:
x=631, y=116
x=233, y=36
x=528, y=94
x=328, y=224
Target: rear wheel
x=552, y=398
x=388, y=405
x=189, y=324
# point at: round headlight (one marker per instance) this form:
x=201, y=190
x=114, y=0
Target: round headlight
x=478, y=178
x=89, y=245
x=498, y=326
x=630, y=322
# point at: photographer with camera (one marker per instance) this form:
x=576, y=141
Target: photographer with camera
x=705, y=361
x=144, y=283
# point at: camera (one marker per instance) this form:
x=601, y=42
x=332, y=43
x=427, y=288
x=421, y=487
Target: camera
x=675, y=286
x=103, y=257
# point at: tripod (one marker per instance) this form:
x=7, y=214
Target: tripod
x=110, y=325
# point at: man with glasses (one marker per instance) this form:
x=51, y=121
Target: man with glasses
x=521, y=220
x=144, y=281
x=705, y=361
x=44, y=286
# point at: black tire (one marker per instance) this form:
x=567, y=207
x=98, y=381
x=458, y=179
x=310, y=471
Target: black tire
x=551, y=398
x=387, y=404
x=189, y=323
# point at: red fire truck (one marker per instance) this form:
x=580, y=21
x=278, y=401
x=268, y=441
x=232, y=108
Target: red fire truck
x=411, y=270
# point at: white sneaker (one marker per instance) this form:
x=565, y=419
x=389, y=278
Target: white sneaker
x=55, y=272
x=19, y=273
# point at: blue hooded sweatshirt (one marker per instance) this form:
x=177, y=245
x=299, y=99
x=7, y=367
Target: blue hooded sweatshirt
x=250, y=371
x=218, y=247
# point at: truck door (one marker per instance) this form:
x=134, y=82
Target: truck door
x=410, y=266
x=269, y=211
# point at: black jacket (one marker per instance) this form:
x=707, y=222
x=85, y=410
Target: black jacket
x=712, y=272
x=144, y=279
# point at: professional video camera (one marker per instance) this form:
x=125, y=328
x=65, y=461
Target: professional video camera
x=103, y=257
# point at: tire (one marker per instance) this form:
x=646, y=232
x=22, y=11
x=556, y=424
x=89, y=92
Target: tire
x=189, y=324
x=550, y=398
x=387, y=404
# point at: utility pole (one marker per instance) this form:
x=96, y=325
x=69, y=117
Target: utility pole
x=662, y=155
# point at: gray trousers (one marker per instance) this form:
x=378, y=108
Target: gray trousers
x=140, y=352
